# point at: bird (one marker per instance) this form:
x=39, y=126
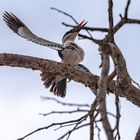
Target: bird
x=69, y=52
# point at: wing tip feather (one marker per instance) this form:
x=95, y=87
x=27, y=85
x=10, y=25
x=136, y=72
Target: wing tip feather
x=12, y=21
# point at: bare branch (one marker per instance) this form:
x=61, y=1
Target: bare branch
x=88, y=28
x=111, y=21
x=119, y=25
x=132, y=21
x=118, y=115
x=65, y=112
x=85, y=28
x=138, y=85
x=120, y=65
x=70, y=131
x=64, y=103
x=99, y=130
x=125, y=19
x=126, y=9
x=56, y=124
x=86, y=78
x=102, y=83
x=91, y=118
x=66, y=14
x=97, y=41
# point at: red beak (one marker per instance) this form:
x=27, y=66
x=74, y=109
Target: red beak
x=79, y=26
x=82, y=24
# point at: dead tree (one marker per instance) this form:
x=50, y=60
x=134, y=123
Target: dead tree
x=100, y=85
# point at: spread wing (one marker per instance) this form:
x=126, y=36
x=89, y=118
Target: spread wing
x=22, y=30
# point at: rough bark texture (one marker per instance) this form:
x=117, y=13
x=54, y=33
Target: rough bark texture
x=131, y=93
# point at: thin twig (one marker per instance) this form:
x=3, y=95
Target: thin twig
x=60, y=11
x=64, y=112
x=96, y=41
x=63, y=103
x=88, y=28
x=132, y=21
x=70, y=16
x=99, y=130
x=70, y=131
x=91, y=118
x=118, y=115
x=55, y=124
x=138, y=85
x=126, y=9
x=76, y=127
x=125, y=19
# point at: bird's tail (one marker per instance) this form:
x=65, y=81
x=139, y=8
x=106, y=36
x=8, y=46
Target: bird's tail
x=58, y=88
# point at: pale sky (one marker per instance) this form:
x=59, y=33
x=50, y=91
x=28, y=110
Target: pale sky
x=20, y=89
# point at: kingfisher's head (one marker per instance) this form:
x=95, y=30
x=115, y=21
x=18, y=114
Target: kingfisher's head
x=71, y=35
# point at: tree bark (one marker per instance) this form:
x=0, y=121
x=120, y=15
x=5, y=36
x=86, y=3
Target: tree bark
x=88, y=79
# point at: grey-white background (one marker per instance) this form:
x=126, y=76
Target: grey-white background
x=20, y=89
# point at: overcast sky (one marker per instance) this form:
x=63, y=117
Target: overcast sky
x=20, y=89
